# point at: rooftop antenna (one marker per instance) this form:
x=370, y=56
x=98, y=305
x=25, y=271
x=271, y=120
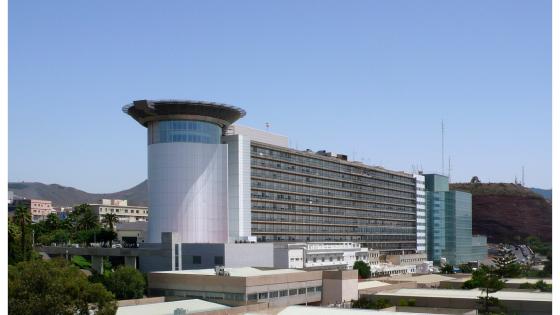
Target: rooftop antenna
x=523, y=175
x=449, y=169
x=267, y=125
x=442, y=150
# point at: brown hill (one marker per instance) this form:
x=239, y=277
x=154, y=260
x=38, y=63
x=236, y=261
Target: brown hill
x=508, y=212
x=69, y=196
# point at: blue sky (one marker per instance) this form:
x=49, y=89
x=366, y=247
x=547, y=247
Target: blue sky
x=372, y=79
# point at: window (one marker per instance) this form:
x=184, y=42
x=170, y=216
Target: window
x=301, y=291
x=252, y=297
x=318, y=289
x=263, y=295
x=310, y=289
x=283, y=293
x=219, y=260
x=196, y=260
x=273, y=295
x=293, y=291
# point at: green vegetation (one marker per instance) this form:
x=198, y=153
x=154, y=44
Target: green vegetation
x=126, y=283
x=465, y=268
x=55, y=287
x=481, y=189
x=364, y=270
x=81, y=227
x=539, y=285
x=539, y=246
x=409, y=302
x=506, y=265
x=366, y=303
x=447, y=269
x=58, y=286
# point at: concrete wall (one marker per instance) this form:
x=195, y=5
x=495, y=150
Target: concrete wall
x=513, y=307
x=239, y=186
x=249, y=255
x=339, y=286
x=188, y=191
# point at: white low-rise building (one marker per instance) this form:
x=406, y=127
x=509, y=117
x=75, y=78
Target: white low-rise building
x=322, y=255
x=124, y=212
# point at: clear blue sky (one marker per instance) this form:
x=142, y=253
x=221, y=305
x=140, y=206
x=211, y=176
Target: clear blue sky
x=372, y=79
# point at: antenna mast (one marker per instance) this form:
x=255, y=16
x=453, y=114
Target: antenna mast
x=442, y=150
x=523, y=175
x=449, y=169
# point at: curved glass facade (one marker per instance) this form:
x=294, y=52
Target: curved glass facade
x=166, y=131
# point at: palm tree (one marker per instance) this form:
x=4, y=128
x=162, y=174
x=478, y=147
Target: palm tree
x=22, y=217
x=110, y=219
x=88, y=220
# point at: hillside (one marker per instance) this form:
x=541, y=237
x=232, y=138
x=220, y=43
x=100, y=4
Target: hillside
x=508, y=212
x=69, y=196
x=546, y=193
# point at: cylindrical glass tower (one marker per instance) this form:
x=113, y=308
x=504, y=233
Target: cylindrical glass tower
x=187, y=168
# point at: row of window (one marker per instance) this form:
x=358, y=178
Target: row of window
x=370, y=220
x=259, y=171
x=314, y=208
x=117, y=210
x=311, y=199
x=302, y=228
x=283, y=293
x=376, y=184
x=183, y=131
x=331, y=165
x=309, y=190
x=362, y=232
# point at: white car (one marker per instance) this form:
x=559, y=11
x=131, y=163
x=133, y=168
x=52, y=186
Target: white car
x=117, y=246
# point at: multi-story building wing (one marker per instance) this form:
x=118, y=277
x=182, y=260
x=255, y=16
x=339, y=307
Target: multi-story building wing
x=312, y=197
x=211, y=182
x=420, y=213
x=449, y=224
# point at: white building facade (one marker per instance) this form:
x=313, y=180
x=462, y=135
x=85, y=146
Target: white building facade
x=420, y=213
x=323, y=255
x=120, y=208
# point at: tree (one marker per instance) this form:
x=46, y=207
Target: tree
x=447, y=269
x=364, y=270
x=52, y=222
x=22, y=218
x=83, y=218
x=506, y=264
x=126, y=283
x=465, y=268
x=366, y=303
x=489, y=281
x=14, y=236
x=55, y=287
x=110, y=220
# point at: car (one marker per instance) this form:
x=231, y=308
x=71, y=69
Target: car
x=117, y=246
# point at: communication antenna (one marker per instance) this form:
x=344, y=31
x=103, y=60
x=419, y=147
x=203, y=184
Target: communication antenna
x=449, y=169
x=267, y=125
x=442, y=150
x=523, y=175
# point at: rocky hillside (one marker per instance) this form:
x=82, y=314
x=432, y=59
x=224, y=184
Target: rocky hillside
x=69, y=196
x=508, y=212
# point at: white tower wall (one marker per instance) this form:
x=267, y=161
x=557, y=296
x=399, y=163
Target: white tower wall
x=187, y=184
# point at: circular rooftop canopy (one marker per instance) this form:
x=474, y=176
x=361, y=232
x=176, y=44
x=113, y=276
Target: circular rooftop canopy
x=144, y=111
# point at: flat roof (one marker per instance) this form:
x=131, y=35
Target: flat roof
x=510, y=280
x=470, y=294
x=234, y=272
x=145, y=111
x=167, y=308
x=371, y=284
x=317, y=310
x=420, y=279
